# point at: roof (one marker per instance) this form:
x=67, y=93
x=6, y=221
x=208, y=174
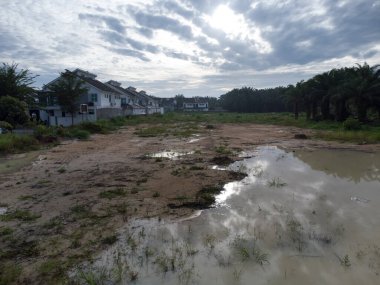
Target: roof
x=194, y=100
x=99, y=85
x=117, y=88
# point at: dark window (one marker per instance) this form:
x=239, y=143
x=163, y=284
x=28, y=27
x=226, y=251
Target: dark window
x=63, y=114
x=94, y=97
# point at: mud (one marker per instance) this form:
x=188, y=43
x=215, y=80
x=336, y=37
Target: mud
x=81, y=192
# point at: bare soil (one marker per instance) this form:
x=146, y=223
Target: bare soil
x=74, y=197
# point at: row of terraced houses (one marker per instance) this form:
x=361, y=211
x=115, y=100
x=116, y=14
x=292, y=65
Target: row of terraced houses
x=103, y=100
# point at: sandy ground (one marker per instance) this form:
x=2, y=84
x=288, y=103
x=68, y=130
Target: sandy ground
x=72, y=199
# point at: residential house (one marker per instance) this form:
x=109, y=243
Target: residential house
x=129, y=101
x=101, y=100
x=195, y=105
x=150, y=104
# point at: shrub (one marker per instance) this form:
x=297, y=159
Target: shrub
x=79, y=134
x=13, y=111
x=13, y=143
x=93, y=127
x=351, y=124
x=6, y=125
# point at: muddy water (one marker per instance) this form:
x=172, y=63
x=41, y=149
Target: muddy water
x=297, y=218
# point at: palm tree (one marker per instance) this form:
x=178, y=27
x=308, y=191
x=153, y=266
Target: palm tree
x=68, y=89
x=362, y=87
x=295, y=95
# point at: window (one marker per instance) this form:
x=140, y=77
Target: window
x=94, y=97
x=63, y=114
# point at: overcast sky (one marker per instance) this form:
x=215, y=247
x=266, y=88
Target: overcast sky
x=192, y=47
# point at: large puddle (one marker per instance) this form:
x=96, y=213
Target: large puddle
x=297, y=218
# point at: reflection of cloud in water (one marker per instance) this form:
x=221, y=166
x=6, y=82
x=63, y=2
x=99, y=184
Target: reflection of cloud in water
x=313, y=207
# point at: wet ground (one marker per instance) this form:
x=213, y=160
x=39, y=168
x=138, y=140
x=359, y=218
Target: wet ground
x=294, y=211
x=299, y=217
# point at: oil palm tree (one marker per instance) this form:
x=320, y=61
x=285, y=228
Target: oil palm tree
x=363, y=87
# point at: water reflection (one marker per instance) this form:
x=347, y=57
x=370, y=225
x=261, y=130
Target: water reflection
x=351, y=165
x=290, y=221
x=170, y=154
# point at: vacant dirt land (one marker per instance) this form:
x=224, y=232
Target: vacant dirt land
x=66, y=203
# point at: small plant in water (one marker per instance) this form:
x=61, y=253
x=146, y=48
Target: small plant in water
x=345, y=261
x=276, y=182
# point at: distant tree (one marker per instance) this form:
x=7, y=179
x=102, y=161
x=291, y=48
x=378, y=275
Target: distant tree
x=68, y=89
x=296, y=95
x=363, y=87
x=16, y=82
x=13, y=111
x=179, y=98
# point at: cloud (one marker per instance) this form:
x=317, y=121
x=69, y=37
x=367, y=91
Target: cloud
x=163, y=23
x=112, y=23
x=190, y=46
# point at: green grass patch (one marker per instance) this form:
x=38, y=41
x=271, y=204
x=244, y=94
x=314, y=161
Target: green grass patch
x=6, y=231
x=21, y=215
x=53, y=268
x=9, y=272
x=110, y=194
x=11, y=143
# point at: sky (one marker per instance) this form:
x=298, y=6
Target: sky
x=190, y=47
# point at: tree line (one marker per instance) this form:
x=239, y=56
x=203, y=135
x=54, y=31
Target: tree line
x=333, y=95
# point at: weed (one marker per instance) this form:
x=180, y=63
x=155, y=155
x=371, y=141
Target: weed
x=244, y=253
x=10, y=143
x=81, y=211
x=260, y=257
x=295, y=230
x=110, y=194
x=162, y=262
x=276, y=182
x=61, y=170
x=156, y=195
x=133, y=275
x=223, y=150
x=52, y=267
x=209, y=241
x=134, y=191
x=195, y=167
x=96, y=276
x=237, y=273
x=22, y=215
x=26, y=197
x=54, y=223
x=345, y=261
x=122, y=208
x=206, y=196
x=143, y=180
x=109, y=240
x=9, y=272
x=5, y=231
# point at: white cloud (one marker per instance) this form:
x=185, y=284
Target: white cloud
x=199, y=47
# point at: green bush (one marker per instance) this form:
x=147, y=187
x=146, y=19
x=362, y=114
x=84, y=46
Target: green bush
x=79, y=134
x=12, y=143
x=13, y=111
x=93, y=127
x=6, y=125
x=351, y=124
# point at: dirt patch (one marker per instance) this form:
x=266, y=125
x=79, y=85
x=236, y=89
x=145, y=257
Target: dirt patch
x=81, y=192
